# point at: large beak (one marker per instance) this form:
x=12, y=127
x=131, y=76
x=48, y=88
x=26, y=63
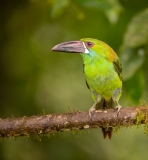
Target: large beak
x=71, y=47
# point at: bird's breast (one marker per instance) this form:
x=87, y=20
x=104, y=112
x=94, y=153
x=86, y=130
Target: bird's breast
x=103, y=79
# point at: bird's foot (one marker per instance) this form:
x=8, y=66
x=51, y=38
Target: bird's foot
x=118, y=107
x=91, y=111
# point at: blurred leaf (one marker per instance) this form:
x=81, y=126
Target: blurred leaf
x=133, y=50
x=134, y=87
x=132, y=60
x=58, y=7
x=111, y=8
x=137, y=31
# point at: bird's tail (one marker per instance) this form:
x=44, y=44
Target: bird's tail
x=107, y=132
x=106, y=104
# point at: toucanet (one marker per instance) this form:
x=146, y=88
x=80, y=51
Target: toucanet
x=102, y=70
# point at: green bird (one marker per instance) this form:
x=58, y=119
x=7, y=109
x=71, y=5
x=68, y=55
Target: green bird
x=103, y=73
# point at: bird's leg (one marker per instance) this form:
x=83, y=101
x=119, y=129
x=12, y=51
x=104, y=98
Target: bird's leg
x=97, y=99
x=92, y=109
x=118, y=107
x=116, y=97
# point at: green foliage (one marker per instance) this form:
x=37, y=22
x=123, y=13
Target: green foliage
x=58, y=7
x=132, y=59
x=137, y=31
x=133, y=55
x=33, y=79
x=111, y=8
x=134, y=87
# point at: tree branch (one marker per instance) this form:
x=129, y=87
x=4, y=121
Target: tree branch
x=46, y=124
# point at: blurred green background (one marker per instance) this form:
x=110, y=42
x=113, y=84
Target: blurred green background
x=36, y=81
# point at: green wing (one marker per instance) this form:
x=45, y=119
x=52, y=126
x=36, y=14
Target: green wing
x=118, y=68
x=86, y=81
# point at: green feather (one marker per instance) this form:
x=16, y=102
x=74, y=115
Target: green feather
x=118, y=68
x=102, y=70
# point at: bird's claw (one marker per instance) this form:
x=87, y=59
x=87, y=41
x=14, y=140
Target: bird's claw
x=91, y=112
x=118, y=107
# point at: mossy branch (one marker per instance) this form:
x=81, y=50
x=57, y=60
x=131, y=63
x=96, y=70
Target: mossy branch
x=46, y=124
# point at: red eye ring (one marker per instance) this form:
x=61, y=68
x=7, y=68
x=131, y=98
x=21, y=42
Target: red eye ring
x=89, y=44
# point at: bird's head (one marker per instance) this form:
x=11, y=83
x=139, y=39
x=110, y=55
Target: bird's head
x=88, y=48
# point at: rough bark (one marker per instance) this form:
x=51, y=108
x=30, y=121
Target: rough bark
x=46, y=124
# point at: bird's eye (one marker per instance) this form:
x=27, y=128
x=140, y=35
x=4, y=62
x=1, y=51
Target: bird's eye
x=89, y=44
